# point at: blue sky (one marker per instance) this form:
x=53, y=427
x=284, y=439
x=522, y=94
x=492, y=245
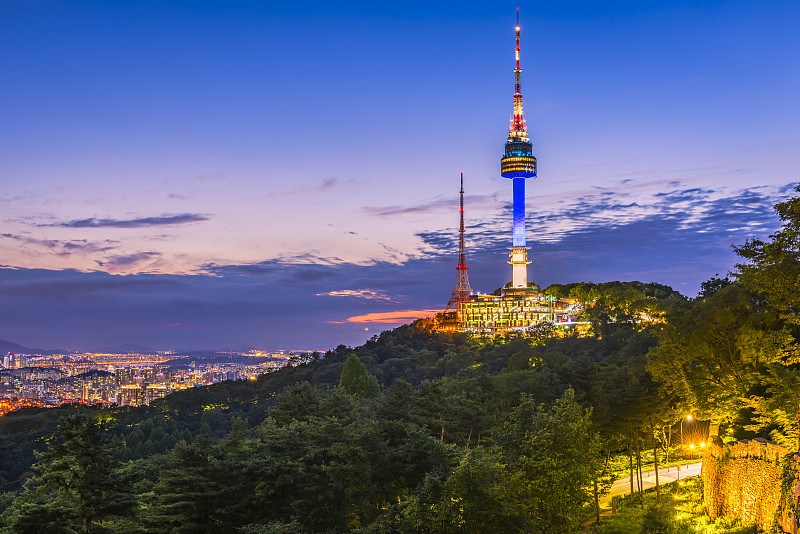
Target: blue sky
x=219, y=174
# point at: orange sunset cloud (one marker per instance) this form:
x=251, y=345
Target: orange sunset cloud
x=389, y=317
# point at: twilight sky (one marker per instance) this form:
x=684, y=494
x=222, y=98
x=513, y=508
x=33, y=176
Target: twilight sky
x=189, y=174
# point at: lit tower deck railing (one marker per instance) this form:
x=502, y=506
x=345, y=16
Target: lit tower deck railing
x=518, y=164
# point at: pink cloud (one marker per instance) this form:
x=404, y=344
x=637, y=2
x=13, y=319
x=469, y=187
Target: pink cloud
x=393, y=317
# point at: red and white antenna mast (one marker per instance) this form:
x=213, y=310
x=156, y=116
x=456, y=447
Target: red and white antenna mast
x=461, y=291
x=517, y=118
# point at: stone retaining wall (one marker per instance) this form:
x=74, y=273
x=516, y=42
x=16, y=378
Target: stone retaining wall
x=744, y=479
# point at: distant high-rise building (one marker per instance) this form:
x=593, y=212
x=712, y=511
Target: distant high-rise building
x=130, y=395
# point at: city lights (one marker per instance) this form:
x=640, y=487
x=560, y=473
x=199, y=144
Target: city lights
x=121, y=379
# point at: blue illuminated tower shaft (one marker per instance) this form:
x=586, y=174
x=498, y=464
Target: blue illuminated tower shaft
x=518, y=164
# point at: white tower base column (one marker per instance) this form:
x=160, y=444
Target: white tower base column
x=518, y=258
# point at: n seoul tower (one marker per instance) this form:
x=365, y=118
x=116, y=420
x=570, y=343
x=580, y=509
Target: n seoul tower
x=518, y=164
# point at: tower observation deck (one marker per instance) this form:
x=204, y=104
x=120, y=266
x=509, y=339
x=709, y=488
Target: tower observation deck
x=518, y=164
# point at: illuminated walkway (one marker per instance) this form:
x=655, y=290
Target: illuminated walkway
x=666, y=475
x=622, y=486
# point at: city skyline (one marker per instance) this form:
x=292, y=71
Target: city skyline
x=190, y=176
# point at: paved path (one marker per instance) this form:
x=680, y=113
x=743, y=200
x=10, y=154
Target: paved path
x=622, y=486
x=666, y=475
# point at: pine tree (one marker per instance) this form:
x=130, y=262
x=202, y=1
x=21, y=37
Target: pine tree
x=79, y=483
x=186, y=497
x=355, y=379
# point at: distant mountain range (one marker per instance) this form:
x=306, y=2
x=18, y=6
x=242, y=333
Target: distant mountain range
x=126, y=348
x=10, y=346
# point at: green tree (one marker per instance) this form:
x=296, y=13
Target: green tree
x=732, y=354
x=713, y=285
x=79, y=485
x=771, y=269
x=553, y=460
x=583, y=292
x=659, y=519
x=297, y=402
x=355, y=379
x=700, y=357
x=479, y=496
x=186, y=497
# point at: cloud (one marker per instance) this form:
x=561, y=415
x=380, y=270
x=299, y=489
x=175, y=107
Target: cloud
x=622, y=233
x=88, y=246
x=123, y=260
x=680, y=236
x=68, y=284
x=691, y=209
x=394, y=317
x=696, y=194
x=309, y=274
x=286, y=270
x=366, y=294
x=163, y=220
x=300, y=267
x=47, y=243
x=443, y=242
x=64, y=247
x=436, y=206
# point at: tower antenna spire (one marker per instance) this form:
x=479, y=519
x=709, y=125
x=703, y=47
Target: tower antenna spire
x=517, y=129
x=461, y=291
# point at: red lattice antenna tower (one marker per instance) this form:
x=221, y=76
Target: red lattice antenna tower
x=462, y=291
